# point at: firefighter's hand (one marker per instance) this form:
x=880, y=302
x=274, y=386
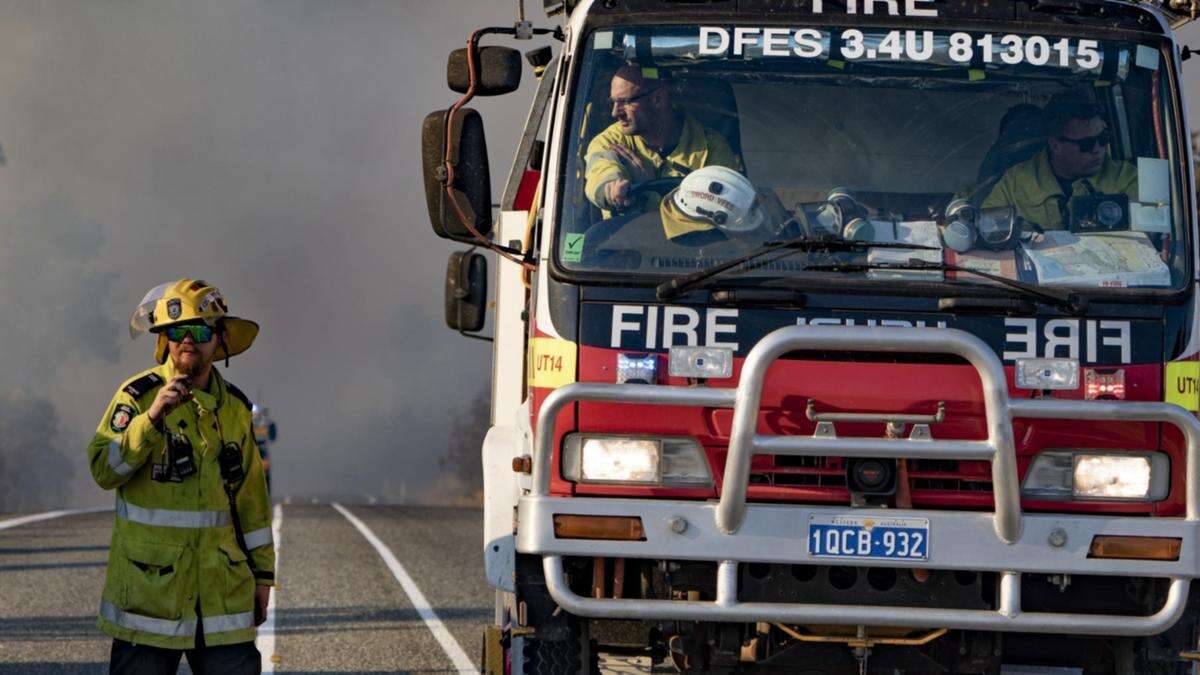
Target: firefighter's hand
x=262, y=595
x=639, y=168
x=170, y=396
x=616, y=193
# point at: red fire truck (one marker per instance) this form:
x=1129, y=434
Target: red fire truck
x=835, y=335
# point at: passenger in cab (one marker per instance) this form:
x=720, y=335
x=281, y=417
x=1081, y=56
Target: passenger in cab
x=1075, y=163
x=650, y=139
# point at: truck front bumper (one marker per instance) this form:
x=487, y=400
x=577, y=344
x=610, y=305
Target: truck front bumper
x=730, y=531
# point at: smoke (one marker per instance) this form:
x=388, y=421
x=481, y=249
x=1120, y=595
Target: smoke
x=30, y=474
x=53, y=293
x=271, y=148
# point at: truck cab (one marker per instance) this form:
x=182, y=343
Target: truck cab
x=883, y=357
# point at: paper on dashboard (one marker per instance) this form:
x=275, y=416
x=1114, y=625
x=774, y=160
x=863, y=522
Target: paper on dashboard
x=919, y=233
x=1110, y=260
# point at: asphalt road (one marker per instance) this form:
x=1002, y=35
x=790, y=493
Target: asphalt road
x=340, y=607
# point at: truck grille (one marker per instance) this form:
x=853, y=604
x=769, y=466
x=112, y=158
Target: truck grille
x=942, y=475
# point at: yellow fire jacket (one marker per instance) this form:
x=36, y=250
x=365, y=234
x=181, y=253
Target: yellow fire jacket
x=698, y=147
x=174, y=562
x=1033, y=190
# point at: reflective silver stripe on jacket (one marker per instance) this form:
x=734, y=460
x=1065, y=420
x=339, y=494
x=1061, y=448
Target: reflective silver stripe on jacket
x=227, y=622
x=183, y=628
x=168, y=518
x=147, y=624
x=115, y=461
x=258, y=538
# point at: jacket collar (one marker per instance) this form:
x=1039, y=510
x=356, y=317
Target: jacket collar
x=690, y=138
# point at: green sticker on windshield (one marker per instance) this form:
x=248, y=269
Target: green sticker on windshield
x=573, y=248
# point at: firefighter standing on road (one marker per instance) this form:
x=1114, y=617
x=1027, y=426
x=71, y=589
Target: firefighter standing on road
x=191, y=561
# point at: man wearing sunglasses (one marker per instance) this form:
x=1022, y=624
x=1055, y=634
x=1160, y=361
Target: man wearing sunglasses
x=648, y=140
x=1075, y=163
x=192, y=560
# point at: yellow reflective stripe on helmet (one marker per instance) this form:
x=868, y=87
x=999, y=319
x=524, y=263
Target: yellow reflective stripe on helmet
x=258, y=538
x=168, y=518
x=147, y=624
x=115, y=461
x=227, y=622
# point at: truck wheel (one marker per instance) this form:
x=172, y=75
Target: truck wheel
x=1133, y=657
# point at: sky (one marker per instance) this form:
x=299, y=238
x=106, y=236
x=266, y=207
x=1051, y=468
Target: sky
x=270, y=147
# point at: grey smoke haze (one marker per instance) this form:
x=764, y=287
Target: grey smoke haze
x=270, y=147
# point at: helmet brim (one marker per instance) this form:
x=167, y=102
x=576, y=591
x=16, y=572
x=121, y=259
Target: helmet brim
x=239, y=336
x=676, y=223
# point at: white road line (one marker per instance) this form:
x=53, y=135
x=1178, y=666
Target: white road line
x=49, y=515
x=449, y=645
x=266, y=632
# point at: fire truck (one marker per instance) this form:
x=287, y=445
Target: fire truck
x=897, y=389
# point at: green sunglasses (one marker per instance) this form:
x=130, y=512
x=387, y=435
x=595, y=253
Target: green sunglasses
x=200, y=333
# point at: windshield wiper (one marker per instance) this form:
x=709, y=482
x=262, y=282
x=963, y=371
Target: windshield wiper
x=1064, y=300
x=686, y=282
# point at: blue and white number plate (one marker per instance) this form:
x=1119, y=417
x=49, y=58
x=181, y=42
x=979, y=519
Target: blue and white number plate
x=867, y=537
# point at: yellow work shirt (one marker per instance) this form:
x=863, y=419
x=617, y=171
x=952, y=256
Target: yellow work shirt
x=698, y=146
x=1033, y=189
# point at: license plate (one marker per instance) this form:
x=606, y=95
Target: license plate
x=864, y=537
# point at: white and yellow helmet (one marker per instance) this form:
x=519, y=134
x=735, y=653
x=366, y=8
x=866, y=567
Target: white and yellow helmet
x=714, y=197
x=186, y=301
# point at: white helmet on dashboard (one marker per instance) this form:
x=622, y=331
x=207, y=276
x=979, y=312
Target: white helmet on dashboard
x=712, y=197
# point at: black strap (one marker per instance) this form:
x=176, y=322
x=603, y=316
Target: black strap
x=238, y=394
x=231, y=493
x=230, y=461
x=1064, y=211
x=143, y=385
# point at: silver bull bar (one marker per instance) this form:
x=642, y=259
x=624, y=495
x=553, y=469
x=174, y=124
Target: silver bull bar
x=730, y=532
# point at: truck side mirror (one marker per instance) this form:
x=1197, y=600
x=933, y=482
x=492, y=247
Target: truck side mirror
x=466, y=291
x=471, y=183
x=498, y=71
x=271, y=432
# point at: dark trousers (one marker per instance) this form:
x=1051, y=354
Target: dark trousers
x=130, y=659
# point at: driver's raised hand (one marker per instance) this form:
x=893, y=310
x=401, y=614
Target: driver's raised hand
x=638, y=168
x=616, y=193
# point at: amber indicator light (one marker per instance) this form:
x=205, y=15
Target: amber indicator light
x=623, y=528
x=1135, y=548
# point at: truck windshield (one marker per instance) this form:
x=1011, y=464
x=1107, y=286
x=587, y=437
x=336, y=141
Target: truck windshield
x=1045, y=158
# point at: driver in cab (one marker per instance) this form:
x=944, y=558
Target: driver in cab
x=1076, y=163
x=649, y=140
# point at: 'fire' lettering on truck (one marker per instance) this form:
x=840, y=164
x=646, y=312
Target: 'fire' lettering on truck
x=884, y=7
x=1060, y=338
x=650, y=328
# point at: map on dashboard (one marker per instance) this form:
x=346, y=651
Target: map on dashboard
x=1111, y=260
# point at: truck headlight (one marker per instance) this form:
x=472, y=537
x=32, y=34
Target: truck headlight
x=635, y=460
x=1081, y=474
